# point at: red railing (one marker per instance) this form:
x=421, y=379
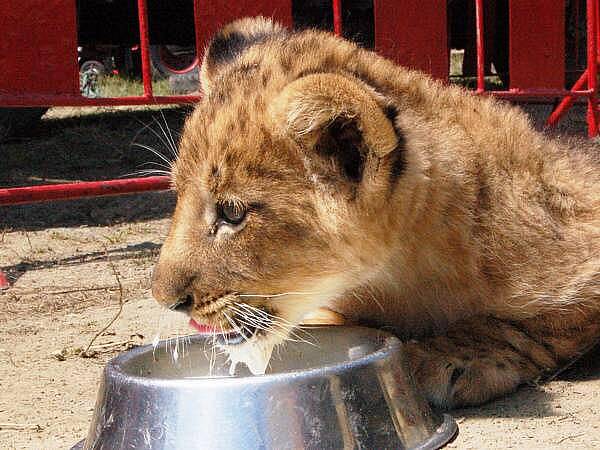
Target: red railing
x=50, y=192
x=589, y=77
x=399, y=34
x=585, y=87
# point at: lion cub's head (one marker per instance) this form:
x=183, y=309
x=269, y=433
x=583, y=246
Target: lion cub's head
x=282, y=178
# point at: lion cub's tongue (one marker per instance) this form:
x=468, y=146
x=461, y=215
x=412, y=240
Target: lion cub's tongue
x=204, y=329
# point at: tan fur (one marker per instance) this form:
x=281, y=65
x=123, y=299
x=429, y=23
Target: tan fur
x=309, y=103
x=465, y=230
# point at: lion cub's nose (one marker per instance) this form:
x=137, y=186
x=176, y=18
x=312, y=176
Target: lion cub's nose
x=171, y=289
x=182, y=305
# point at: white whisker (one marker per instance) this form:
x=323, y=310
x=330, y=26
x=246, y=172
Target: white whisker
x=158, y=164
x=275, y=295
x=166, y=141
x=154, y=151
x=146, y=172
x=173, y=143
x=277, y=325
x=154, y=132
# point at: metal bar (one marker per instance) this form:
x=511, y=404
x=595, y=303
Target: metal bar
x=197, y=34
x=480, y=46
x=63, y=100
x=33, y=194
x=592, y=69
x=597, y=27
x=337, y=17
x=4, y=284
x=71, y=100
x=537, y=93
x=145, y=47
x=566, y=102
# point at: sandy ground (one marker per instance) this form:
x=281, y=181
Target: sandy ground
x=71, y=264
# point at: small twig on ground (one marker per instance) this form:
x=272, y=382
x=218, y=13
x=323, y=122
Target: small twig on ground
x=95, y=350
x=86, y=353
x=568, y=416
x=572, y=436
x=21, y=426
x=66, y=291
x=71, y=291
x=113, y=344
x=29, y=241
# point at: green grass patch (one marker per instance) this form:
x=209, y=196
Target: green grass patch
x=114, y=86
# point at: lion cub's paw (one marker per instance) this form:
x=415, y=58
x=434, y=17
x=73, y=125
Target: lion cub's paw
x=451, y=377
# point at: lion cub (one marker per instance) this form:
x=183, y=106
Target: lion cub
x=315, y=174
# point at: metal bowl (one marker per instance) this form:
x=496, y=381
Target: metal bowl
x=349, y=390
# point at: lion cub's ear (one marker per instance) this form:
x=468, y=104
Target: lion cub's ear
x=231, y=41
x=336, y=117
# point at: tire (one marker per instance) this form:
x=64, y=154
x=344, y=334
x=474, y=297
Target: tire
x=172, y=60
x=91, y=65
x=178, y=64
x=90, y=76
x=18, y=121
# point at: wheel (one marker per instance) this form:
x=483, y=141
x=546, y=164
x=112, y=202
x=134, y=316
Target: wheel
x=90, y=74
x=173, y=60
x=178, y=64
x=17, y=121
x=91, y=65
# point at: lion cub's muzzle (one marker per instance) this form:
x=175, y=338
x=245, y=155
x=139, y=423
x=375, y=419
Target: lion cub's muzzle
x=234, y=331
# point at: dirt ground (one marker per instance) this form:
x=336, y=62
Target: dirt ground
x=71, y=263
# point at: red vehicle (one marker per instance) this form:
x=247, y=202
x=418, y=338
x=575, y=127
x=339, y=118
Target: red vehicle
x=536, y=48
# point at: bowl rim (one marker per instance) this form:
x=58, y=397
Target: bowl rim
x=114, y=369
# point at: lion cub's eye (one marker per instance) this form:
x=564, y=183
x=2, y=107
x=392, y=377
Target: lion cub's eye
x=232, y=212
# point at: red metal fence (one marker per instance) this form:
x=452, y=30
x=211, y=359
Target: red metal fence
x=412, y=32
x=39, y=46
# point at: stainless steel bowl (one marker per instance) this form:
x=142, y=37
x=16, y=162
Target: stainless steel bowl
x=350, y=390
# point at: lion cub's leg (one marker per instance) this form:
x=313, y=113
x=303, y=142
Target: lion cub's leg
x=483, y=358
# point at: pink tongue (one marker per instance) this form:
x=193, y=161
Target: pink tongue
x=207, y=329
